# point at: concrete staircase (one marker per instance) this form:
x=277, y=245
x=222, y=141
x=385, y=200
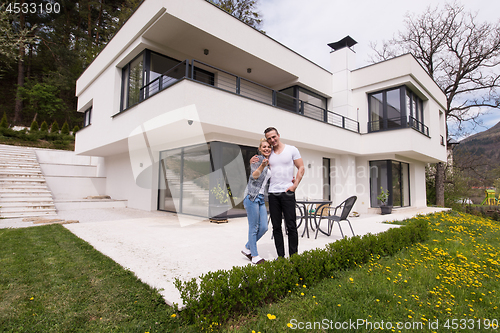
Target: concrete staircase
x=23, y=190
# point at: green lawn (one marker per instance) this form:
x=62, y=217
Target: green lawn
x=51, y=280
x=447, y=284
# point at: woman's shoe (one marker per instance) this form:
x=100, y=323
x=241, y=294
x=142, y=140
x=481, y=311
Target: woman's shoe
x=248, y=255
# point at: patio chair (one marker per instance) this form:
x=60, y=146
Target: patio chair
x=344, y=208
x=301, y=215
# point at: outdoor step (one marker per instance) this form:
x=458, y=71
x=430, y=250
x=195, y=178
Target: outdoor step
x=15, y=189
x=17, y=205
x=23, y=190
x=19, y=160
x=21, y=180
x=25, y=199
x=16, y=173
x=33, y=167
x=27, y=214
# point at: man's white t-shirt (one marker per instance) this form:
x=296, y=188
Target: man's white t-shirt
x=282, y=167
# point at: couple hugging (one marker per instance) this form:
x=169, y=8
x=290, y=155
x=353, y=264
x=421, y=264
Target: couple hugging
x=272, y=172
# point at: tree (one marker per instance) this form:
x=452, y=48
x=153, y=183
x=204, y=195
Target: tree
x=54, y=128
x=243, y=10
x=42, y=99
x=461, y=55
x=11, y=39
x=65, y=128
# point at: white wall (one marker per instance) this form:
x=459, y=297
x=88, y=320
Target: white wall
x=121, y=183
x=70, y=176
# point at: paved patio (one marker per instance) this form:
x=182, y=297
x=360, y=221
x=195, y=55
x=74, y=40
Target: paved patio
x=160, y=246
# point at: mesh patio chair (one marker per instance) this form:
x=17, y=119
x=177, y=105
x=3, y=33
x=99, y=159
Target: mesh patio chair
x=331, y=218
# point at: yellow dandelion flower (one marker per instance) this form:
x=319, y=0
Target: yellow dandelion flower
x=173, y=315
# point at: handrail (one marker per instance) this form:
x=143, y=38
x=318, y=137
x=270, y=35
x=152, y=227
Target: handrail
x=249, y=89
x=412, y=123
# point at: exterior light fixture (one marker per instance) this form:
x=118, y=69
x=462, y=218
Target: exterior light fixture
x=190, y=122
x=206, y=51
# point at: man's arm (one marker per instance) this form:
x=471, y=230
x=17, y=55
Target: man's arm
x=299, y=164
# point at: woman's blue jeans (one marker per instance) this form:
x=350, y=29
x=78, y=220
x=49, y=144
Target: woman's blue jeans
x=257, y=221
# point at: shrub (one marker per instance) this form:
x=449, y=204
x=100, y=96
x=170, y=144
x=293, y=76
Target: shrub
x=44, y=127
x=4, y=123
x=54, y=128
x=75, y=129
x=216, y=296
x=34, y=127
x=65, y=128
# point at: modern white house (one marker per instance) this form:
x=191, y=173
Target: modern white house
x=176, y=103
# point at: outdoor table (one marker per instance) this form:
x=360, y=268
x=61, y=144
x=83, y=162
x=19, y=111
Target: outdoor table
x=308, y=216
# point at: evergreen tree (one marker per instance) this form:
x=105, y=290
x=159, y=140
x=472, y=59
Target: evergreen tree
x=75, y=129
x=54, y=128
x=44, y=127
x=4, y=123
x=65, y=128
x=34, y=127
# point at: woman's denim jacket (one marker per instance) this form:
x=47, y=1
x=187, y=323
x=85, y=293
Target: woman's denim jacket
x=254, y=185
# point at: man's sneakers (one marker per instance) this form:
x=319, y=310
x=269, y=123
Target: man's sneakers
x=258, y=260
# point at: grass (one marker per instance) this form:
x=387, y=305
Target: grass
x=447, y=284
x=51, y=281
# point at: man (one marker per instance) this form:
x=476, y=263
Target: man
x=283, y=161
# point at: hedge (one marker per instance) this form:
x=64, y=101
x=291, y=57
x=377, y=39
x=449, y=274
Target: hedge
x=216, y=296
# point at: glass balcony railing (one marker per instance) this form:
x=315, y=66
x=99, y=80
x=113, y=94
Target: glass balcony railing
x=209, y=75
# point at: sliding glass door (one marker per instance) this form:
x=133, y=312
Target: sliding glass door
x=393, y=176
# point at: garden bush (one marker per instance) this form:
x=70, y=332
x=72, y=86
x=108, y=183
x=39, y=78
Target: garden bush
x=4, y=123
x=54, y=128
x=34, y=126
x=214, y=297
x=65, y=128
x=44, y=127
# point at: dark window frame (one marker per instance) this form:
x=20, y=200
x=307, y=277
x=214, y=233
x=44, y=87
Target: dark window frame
x=405, y=114
x=389, y=185
x=87, y=117
x=146, y=58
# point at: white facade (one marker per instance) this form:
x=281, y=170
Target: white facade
x=244, y=74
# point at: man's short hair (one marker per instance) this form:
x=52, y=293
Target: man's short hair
x=269, y=129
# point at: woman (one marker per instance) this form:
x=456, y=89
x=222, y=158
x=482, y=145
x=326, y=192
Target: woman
x=254, y=202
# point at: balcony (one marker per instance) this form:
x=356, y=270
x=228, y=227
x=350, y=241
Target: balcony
x=397, y=123
x=206, y=74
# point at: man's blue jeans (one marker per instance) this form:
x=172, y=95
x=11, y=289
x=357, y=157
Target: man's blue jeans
x=257, y=221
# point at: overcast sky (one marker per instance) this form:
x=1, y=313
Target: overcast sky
x=308, y=26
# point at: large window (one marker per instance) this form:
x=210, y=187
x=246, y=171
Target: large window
x=204, y=180
x=393, y=176
x=395, y=108
x=303, y=101
x=150, y=72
